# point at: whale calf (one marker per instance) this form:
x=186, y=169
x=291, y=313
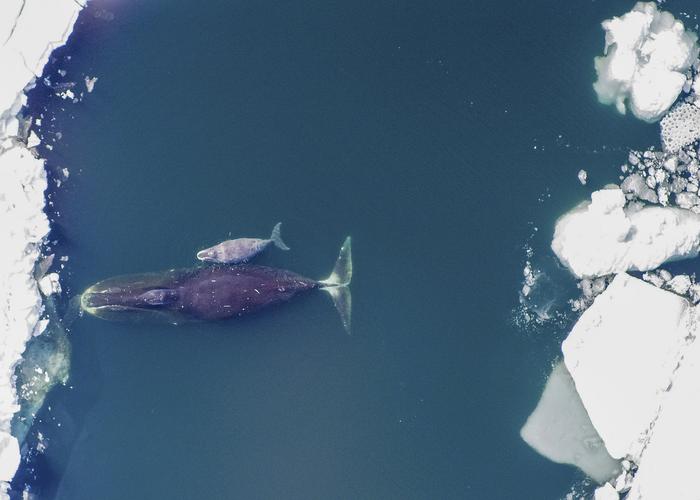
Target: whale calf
x=213, y=292
x=241, y=249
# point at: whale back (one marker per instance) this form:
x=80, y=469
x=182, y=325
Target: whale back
x=199, y=294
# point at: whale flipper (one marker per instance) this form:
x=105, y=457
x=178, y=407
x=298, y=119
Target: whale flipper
x=338, y=284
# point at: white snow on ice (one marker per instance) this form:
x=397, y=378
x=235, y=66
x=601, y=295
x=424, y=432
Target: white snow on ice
x=602, y=237
x=668, y=465
x=646, y=55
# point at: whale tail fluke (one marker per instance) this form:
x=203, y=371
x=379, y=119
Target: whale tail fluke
x=338, y=284
x=276, y=237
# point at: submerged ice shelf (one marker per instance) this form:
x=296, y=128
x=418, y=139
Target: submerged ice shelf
x=29, y=31
x=559, y=428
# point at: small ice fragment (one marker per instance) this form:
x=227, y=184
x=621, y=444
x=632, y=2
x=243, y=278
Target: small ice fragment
x=33, y=140
x=40, y=327
x=582, y=176
x=636, y=185
x=678, y=184
x=680, y=284
x=683, y=156
x=660, y=176
x=586, y=287
x=90, y=83
x=66, y=173
x=50, y=284
x=599, y=286
x=606, y=492
x=671, y=163
x=654, y=279
x=687, y=200
x=687, y=86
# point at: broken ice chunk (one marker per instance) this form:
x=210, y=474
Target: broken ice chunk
x=621, y=354
x=680, y=284
x=646, y=55
x=687, y=200
x=33, y=140
x=582, y=176
x=606, y=492
x=671, y=164
x=50, y=284
x=602, y=237
x=635, y=184
x=90, y=83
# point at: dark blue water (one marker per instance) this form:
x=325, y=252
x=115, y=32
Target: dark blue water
x=438, y=136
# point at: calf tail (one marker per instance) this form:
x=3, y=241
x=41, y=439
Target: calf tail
x=276, y=237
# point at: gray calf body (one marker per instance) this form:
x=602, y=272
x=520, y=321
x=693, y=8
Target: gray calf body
x=241, y=250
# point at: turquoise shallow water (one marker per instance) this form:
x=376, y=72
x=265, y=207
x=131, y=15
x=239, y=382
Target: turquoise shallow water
x=437, y=136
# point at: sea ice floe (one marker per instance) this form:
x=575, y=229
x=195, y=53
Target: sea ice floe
x=29, y=30
x=603, y=237
x=559, y=429
x=23, y=226
x=647, y=53
x=606, y=492
x=636, y=185
x=622, y=354
x=668, y=464
x=9, y=455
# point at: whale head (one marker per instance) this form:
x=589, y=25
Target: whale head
x=210, y=254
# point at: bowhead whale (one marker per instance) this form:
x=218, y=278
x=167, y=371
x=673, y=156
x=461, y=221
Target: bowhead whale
x=241, y=250
x=213, y=293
